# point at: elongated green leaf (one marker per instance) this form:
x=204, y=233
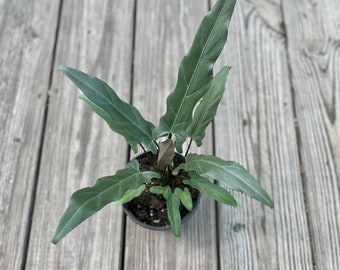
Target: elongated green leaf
x=133, y=165
x=195, y=72
x=174, y=216
x=206, y=110
x=130, y=195
x=126, y=120
x=228, y=173
x=87, y=201
x=130, y=140
x=186, y=199
x=210, y=189
x=157, y=190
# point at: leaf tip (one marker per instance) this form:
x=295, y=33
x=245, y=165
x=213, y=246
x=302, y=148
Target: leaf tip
x=271, y=204
x=234, y=204
x=55, y=240
x=62, y=68
x=177, y=234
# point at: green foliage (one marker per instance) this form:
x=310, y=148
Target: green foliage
x=186, y=199
x=195, y=72
x=190, y=108
x=130, y=195
x=157, y=190
x=172, y=203
x=228, y=173
x=125, y=119
x=109, y=120
x=206, y=110
x=210, y=189
x=87, y=201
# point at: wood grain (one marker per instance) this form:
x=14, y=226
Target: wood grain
x=255, y=126
x=279, y=118
x=26, y=46
x=164, y=32
x=95, y=36
x=313, y=33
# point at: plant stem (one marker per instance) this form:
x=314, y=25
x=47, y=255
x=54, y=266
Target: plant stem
x=186, y=153
x=142, y=147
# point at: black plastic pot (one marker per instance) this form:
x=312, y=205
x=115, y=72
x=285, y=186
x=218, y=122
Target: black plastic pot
x=161, y=228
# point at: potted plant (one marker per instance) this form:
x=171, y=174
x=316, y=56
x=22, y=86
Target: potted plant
x=161, y=177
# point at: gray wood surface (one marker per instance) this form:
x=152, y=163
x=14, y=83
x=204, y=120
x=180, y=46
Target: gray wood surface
x=78, y=146
x=26, y=47
x=255, y=126
x=313, y=49
x=279, y=118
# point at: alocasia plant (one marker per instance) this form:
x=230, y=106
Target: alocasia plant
x=190, y=108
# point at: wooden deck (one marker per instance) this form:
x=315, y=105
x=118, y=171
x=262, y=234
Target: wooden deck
x=280, y=118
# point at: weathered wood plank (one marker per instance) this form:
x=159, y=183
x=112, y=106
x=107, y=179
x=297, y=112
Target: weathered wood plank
x=313, y=44
x=26, y=45
x=255, y=126
x=95, y=36
x=164, y=32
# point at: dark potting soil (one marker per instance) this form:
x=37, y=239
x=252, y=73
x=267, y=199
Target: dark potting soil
x=151, y=208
